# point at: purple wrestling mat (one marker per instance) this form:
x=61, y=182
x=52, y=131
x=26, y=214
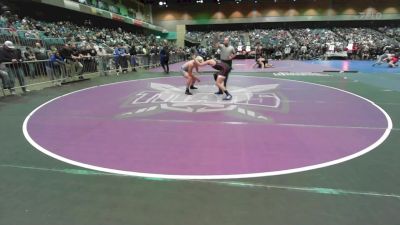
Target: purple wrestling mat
x=150, y=128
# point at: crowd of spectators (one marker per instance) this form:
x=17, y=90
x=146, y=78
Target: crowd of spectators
x=207, y=38
x=393, y=32
x=71, y=32
x=76, y=54
x=84, y=36
x=272, y=37
x=304, y=44
x=195, y=36
x=276, y=43
x=366, y=43
x=315, y=43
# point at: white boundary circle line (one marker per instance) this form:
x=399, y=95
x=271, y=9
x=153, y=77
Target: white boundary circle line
x=209, y=177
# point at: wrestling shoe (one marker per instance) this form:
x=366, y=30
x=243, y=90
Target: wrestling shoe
x=227, y=98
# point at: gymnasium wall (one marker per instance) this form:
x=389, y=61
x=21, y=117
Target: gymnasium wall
x=268, y=11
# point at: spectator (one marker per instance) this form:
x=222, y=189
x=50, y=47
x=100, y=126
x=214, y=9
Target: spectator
x=13, y=58
x=153, y=56
x=5, y=79
x=40, y=52
x=278, y=54
x=120, y=59
x=55, y=67
x=77, y=57
x=66, y=54
x=146, y=59
x=102, y=60
x=29, y=68
x=133, y=54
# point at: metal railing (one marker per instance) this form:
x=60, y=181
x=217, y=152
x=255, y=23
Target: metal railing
x=17, y=77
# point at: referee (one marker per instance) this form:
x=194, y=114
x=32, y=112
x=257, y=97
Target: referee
x=228, y=53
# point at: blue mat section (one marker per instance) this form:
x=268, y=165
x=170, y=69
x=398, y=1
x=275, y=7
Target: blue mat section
x=358, y=65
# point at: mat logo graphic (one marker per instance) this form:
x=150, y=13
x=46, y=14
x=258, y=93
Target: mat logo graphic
x=165, y=97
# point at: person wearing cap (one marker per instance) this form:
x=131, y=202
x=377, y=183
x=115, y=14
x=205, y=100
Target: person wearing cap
x=13, y=58
x=187, y=72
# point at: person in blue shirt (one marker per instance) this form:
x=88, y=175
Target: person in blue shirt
x=56, y=66
x=120, y=59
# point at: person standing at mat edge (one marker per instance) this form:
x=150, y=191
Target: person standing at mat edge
x=228, y=53
x=164, y=58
